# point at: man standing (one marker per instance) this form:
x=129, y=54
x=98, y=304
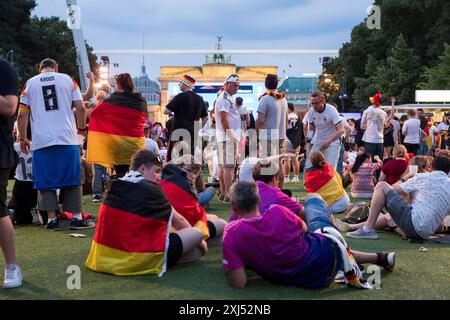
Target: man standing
x=228, y=133
x=373, y=122
x=56, y=156
x=423, y=147
x=188, y=108
x=293, y=143
x=272, y=117
x=8, y=106
x=328, y=129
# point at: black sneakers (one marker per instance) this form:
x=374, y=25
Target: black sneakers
x=76, y=224
x=53, y=225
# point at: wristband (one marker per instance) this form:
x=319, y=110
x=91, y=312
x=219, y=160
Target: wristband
x=21, y=139
x=82, y=129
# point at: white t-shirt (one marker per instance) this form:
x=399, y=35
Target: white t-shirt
x=305, y=121
x=24, y=169
x=225, y=103
x=396, y=126
x=431, y=201
x=49, y=97
x=325, y=123
x=411, y=130
x=246, y=169
x=374, y=119
x=151, y=145
x=441, y=127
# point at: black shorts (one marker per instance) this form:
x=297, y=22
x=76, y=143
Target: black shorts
x=4, y=175
x=175, y=250
x=212, y=230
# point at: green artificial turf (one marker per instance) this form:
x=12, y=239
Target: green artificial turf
x=45, y=256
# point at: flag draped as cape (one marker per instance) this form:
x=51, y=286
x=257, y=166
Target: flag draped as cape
x=326, y=182
x=132, y=233
x=116, y=129
x=183, y=198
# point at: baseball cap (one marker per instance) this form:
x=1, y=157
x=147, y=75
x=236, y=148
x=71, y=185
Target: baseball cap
x=232, y=78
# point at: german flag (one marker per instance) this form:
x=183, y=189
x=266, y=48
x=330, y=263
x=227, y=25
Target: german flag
x=132, y=233
x=183, y=198
x=116, y=129
x=326, y=182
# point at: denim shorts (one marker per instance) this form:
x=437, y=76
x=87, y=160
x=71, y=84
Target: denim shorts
x=317, y=214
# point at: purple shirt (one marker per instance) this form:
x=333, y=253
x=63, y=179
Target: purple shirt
x=274, y=246
x=270, y=196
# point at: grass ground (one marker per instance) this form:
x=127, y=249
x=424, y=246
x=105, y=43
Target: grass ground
x=45, y=256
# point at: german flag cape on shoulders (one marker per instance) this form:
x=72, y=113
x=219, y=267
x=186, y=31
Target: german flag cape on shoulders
x=183, y=198
x=132, y=233
x=116, y=129
x=326, y=182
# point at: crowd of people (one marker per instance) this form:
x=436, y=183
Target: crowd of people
x=154, y=201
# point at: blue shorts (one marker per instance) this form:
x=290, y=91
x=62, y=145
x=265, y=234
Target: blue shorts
x=56, y=167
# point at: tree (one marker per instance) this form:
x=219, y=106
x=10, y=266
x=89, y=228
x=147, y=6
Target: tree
x=401, y=73
x=425, y=26
x=438, y=78
x=51, y=38
x=33, y=39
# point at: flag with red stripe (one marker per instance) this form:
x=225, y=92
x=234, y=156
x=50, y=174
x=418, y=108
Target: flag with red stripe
x=183, y=197
x=131, y=237
x=116, y=129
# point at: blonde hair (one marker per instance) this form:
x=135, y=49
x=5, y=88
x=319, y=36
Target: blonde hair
x=101, y=95
x=400, y=151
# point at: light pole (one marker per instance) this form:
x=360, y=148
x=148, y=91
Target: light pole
x=343, y=92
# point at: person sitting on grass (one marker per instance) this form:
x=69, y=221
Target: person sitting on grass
x=321, y=178
x=266, y=173
x=178, y=183
x=362, y=174
x=396, y=167
x=430, y=204
x=133, y=234
x=280, y=247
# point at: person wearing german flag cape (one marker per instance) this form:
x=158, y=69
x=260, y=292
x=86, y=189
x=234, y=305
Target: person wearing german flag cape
x=133, y=234
x=116, y=127
x=322, y=179
x=178, y=179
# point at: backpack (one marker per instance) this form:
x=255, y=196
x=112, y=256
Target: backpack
x=357, y=212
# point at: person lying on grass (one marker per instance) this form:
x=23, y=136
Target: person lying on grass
x=430, y=204
x=134, y=223
x=280, y=247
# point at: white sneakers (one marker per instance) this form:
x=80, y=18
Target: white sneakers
x=295, y=179
x=13, y=277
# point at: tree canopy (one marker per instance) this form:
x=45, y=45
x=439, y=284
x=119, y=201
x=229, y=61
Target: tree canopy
x=32, y=39
x=397, y=57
